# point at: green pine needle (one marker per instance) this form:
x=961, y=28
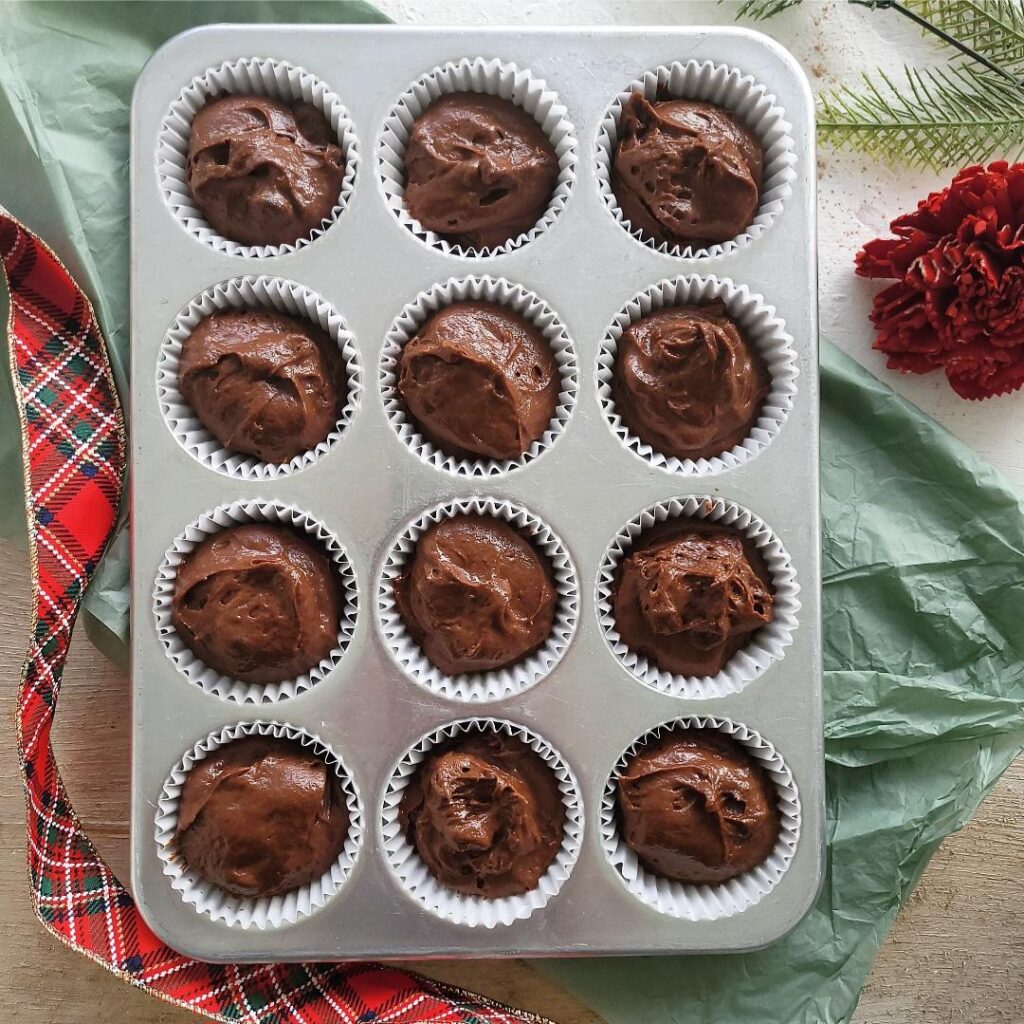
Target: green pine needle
x=936, y=117
x=761, y=10
x=995, y=28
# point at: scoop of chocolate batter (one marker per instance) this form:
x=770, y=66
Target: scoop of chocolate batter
x=485, y=815
x=263, y=172
x=690, y=596
x=261, y=816
x=476, y=595
x=481, y=380
x=687, y=382
x=479, y=170
x=697, y=808
x=686, y=171
x=258, y=603
x=263, y=383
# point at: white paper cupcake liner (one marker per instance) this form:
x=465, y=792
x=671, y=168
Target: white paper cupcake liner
x=765, y=331
x=271, y=293
x=263, y=77
x=265, y=911
x=414, y=876
x=479, y=289
x=498, y=79
x=726, y=87
x=235, y=514
x=480, y=686
x=767, y=645
x=705, y=902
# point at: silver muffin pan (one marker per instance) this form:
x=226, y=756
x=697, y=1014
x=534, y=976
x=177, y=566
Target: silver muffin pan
x=587, y=706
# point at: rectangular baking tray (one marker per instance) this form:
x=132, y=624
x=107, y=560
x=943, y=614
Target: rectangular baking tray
x=587, y=487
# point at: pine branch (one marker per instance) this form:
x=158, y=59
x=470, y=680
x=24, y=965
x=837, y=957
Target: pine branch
x=761, y=10
x=995, y=28
x=936, y=117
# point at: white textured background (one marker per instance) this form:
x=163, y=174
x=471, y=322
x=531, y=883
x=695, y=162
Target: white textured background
x=857, y=196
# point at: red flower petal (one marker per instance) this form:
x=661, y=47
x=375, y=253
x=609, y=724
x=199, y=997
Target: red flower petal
x=958, y=298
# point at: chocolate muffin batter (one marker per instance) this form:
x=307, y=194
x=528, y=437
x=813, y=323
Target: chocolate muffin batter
x=261, y=816
x=263, y=383
x=480, y=380
x=485, y=814
x=687, y=382
x=476, y=596
x=697, y=808
x=258, y=603
x=478, y=169
x=686, y=172
x=689, y=595
x=263, y=172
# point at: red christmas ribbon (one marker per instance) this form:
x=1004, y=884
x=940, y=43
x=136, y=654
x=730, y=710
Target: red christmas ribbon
x=73, y=444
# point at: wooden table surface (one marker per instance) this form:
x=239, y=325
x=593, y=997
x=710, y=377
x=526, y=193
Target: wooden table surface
x=954, y=954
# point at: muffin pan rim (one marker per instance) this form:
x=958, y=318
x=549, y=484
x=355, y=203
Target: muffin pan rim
x=361, y=510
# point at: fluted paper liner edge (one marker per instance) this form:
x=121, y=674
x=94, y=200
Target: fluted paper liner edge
x=265, y=911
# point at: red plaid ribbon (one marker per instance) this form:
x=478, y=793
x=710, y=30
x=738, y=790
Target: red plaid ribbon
x=73, y=443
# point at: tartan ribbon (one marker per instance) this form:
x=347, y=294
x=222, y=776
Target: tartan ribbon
x=73, y=446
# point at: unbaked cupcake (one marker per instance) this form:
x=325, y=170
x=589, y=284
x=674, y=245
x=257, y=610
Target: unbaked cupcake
x=685, y=171
x=479, y=379
x=479, y=170
x=696, y=808
x=263, y=383
x=261, y=816
x=257, y=603
x=689, y=595
x=485, y=814
x=263, y=172
x=476, y=595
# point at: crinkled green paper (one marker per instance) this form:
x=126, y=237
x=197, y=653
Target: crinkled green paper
x=923, y=552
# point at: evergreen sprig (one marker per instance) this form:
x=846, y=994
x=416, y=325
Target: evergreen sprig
x=937, y=117
x=995, y=28
x=761, y=10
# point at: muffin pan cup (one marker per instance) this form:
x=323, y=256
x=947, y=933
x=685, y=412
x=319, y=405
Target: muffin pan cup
x=415, y=877
x=704, y=902
x=477, y=289
x=264, y=912
x=225, y=517
x=765, y=646
x=762, y=329
x=477, y=687
x=279, y=80
x=374, y=487
x=271, y=293
x=496, y=78
x=737, y=92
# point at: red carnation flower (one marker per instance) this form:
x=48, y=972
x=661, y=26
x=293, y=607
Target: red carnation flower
x=958, y=300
